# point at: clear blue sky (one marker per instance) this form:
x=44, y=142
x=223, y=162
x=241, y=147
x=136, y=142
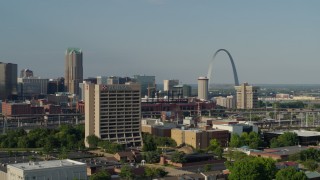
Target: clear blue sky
x=271, y=41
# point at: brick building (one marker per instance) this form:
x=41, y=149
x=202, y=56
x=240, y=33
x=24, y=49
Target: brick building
x=199, y=139
x=9, y=108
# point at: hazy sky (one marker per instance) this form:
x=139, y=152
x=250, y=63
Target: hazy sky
x=271, y=41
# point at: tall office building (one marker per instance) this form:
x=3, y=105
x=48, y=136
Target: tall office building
x=247, y=96
x=8, y=80
x=203, y=88
x=148, y=84
x=26, y=73
x=228, y=102
x=168, y=84
x=30, y=87
x=113, y=112
x=55, y=85
x=73, y=70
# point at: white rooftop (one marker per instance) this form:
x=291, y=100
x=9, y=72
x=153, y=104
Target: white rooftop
x=46, y=164
x=301, y=133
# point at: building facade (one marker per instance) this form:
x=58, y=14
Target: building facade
x=8, y=80
x=228, y=102
x=26, y=73
x=32, y=86
x=113, y=112
x=199, y=139
x=73, y=70
x=48, y=170
x=168, y=84
x=55, y=85
x=147, y=83
x=247, y=96
x=203, y=86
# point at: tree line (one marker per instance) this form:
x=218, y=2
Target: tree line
x=251, y=168
x=107, y=146
x=66, y=136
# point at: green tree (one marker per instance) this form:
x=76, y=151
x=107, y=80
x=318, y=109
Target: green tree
x=152, y=157
x=310, y=164
x=215, y=147
x=285, y=139
x=23, y=142
x=310, y=153
x=63, y=154
x=93, y=141
x=236, y=155
x=149, y=144
x=207, y=167
x=274, y=143
x=290, y=173
x=288, y=139
x=101, y=175
x=178, y=157
x=235, y=141
x=254, y=140
x=252, y=168
x=126, y=173
x=152, y=172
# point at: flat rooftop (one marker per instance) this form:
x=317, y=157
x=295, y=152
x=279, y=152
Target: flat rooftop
x=201, y=130
x=46, y=164
x=303, y=133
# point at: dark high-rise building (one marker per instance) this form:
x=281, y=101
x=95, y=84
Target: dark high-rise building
x=147, y=83
x=55, y=85
x=73, y=70
x=8, y=80
x=24, y=73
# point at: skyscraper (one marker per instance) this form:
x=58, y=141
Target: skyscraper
x=73, y=70
x=203, y=88
x=147, y=83
x=247, y=96
x=168, y=84
x=26, y=73
x=8, y=80
x=113, y=112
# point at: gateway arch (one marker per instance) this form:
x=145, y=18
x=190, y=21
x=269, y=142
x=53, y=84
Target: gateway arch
x=235, y=75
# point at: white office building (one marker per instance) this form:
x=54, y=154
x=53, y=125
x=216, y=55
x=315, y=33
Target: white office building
x=47, y=170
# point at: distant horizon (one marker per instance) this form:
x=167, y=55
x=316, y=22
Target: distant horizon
x=270, y=41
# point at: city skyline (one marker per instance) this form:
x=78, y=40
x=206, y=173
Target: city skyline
x=271, y=42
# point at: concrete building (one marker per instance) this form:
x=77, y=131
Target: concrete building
x=199, y=139
x=189, y=121
x=306, y=138
x=148, y=84
x=32, y=86
x=48, y=170
x=281, y=153
x=8, y=80
x=203, y=88
x=179, y=92
x=168, y=84
x=73, y=70
x=112, y=80
x=247, y=96
x=282, y=96
x=236, y=128
x=102, y=80
x=156, y=127
x=228, y=102
x=61, y=98
x=24, y=73
x=113, y=112
x=81, y=90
